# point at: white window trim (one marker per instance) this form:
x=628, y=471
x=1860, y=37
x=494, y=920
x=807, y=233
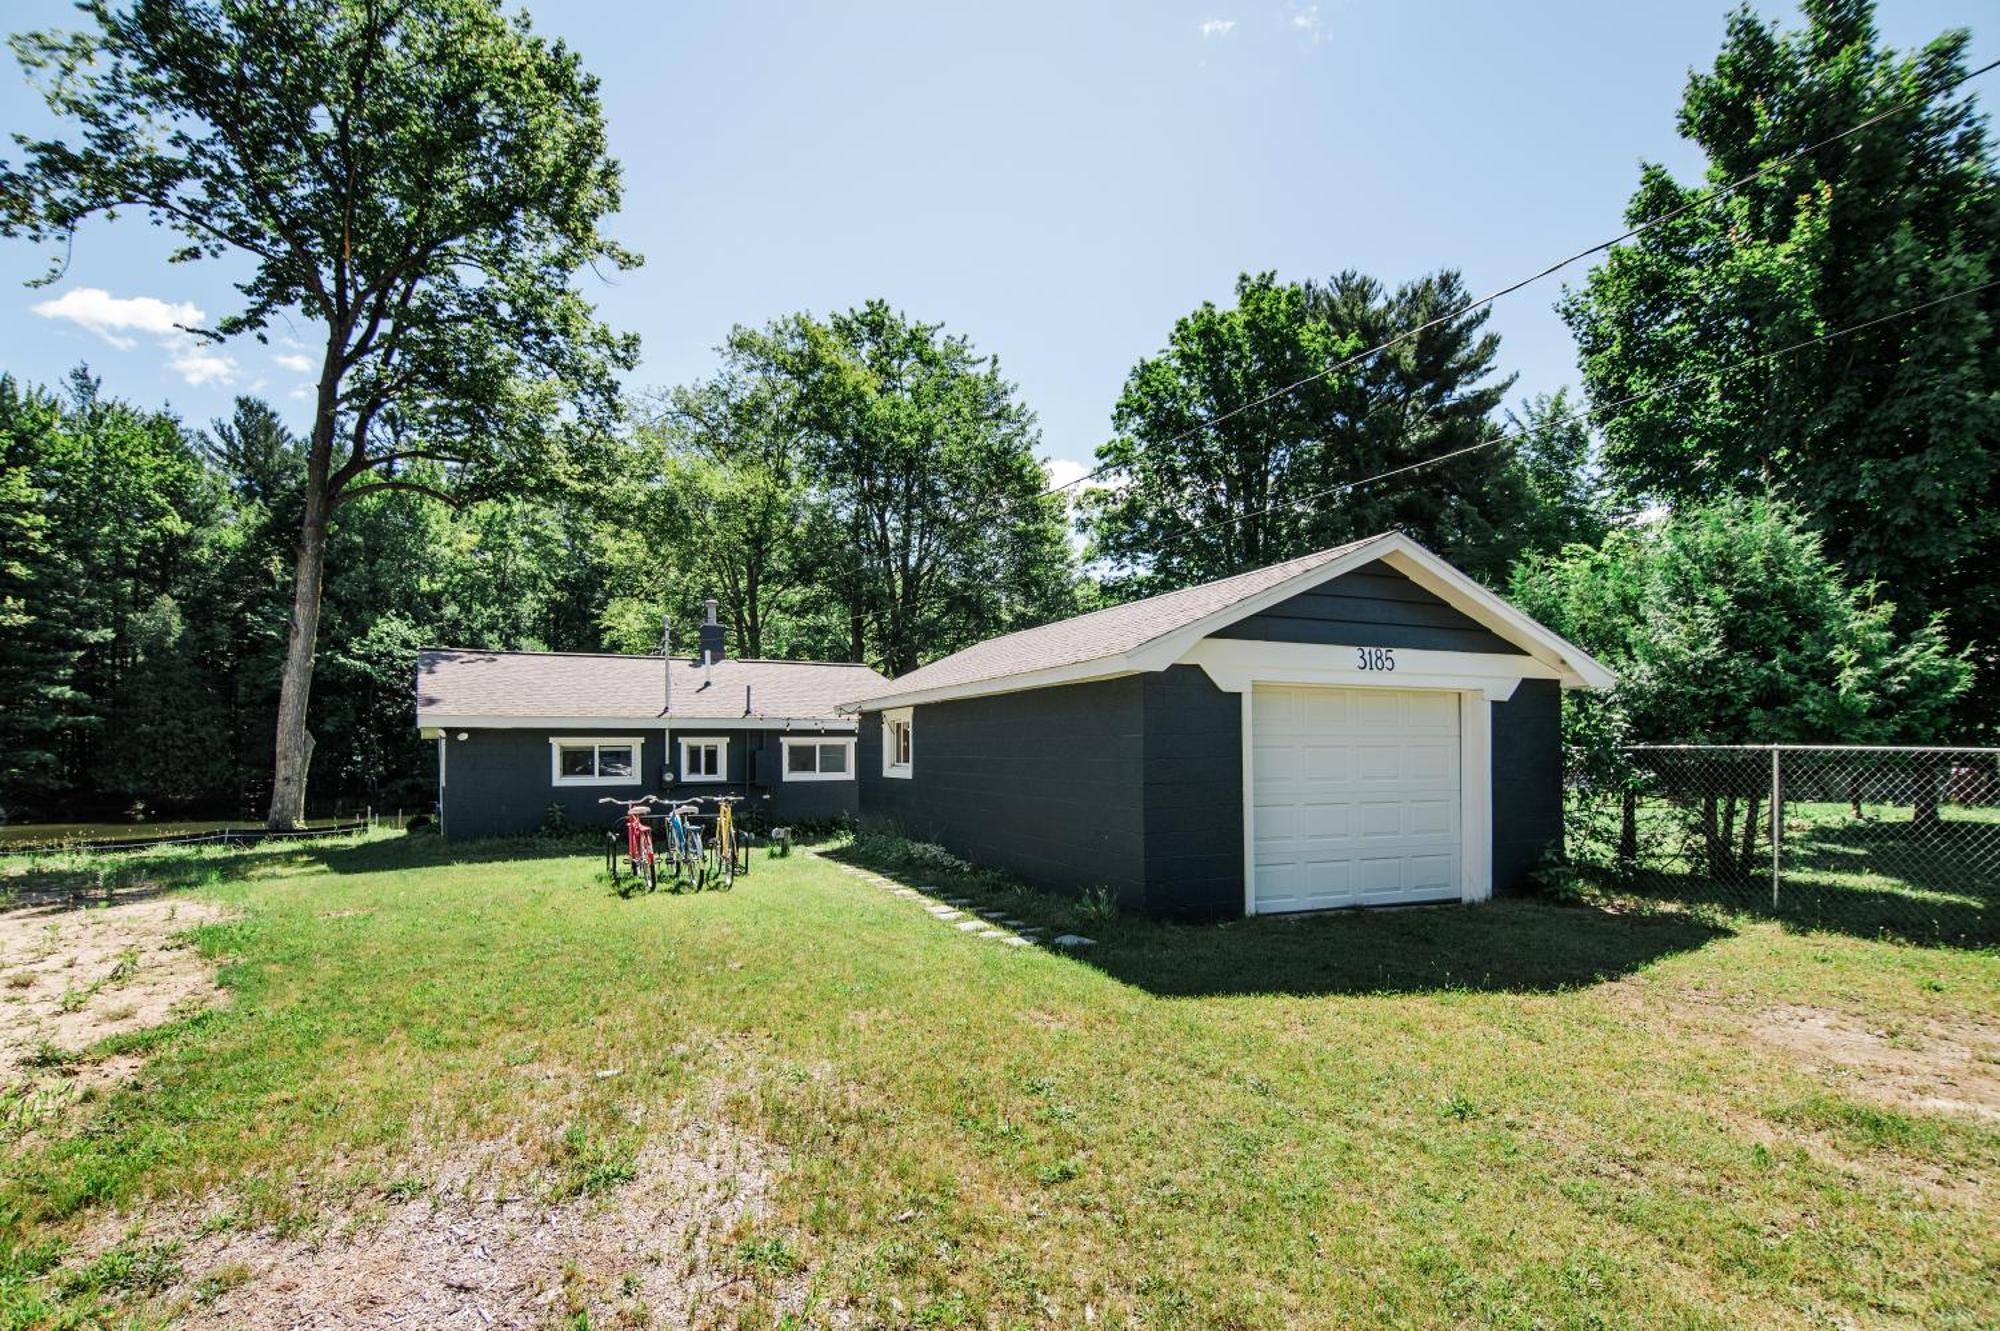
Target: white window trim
x=721, y=743
x=815, y=741
x=891, y=718
x=558, y=743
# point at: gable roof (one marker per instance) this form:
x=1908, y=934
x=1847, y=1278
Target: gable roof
x=1149, y=634
x=457, y=686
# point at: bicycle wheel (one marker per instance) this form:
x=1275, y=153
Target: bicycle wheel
x=652, y=873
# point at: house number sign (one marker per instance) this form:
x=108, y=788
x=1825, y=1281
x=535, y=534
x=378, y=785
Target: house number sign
x=1375, y=658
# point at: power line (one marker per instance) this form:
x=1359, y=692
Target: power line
x=1681, y=210
x=1610, y=408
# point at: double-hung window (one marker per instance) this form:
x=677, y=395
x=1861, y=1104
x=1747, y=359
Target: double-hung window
x=590, y=761
x=704, y=759
x=898, y=743
x=818, y=758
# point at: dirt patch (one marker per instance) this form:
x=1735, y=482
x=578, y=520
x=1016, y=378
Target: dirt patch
x=70, y=978
x=1939, y=1066
x=474, y=1241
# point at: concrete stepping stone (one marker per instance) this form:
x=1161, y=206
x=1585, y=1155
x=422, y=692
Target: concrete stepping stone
x=1074, y=940
x=990, y=914
x=957, y=901
x=967, y=926
x=992, y=933
x=1012, y=923
x=944, y=912
x=1014, y=940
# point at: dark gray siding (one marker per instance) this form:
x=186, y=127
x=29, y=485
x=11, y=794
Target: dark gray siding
x=497, y=781
x=1133, y=784
x=1194, y=796
x=1043, y=784
x=1372, y=606
x=1527, y=781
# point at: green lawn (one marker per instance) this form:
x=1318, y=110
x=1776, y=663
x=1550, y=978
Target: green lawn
x=1519, y=1115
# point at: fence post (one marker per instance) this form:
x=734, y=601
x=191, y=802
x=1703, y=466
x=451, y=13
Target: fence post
x=1777, y=823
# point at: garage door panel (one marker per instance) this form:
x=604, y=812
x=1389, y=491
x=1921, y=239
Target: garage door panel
x=1355, y=795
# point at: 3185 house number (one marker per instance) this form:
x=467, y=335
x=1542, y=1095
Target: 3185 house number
x=1375, y=658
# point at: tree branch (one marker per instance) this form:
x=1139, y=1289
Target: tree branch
x=414, y=487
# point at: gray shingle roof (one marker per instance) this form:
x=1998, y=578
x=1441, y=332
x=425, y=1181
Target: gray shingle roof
x=1107, y=632
x=611, y=687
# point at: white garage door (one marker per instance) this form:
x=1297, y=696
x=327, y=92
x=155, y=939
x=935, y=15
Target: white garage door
x=1356, y=797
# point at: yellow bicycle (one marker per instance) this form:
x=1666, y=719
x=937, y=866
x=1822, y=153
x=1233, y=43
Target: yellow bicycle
x=727, y=844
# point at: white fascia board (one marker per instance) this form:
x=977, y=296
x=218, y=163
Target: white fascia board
x=444, y=721
x=1236, y=664
x=1103, y=667
x=1579, y=668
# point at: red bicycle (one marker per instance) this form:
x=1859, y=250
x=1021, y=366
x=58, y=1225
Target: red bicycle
x=638, y=842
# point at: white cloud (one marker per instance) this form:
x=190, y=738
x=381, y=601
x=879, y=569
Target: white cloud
x=115, y=318
x=1217, y=27
x=199, y=362
x=1062, y=471
x=1306, y=19
x=108, y=316
x=294, y=362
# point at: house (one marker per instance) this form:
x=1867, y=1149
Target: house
x=1362, y=726
x=521, y=733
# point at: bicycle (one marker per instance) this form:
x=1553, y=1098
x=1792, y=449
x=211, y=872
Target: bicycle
x=639, y=851
x=728, y=845
x=684, y=847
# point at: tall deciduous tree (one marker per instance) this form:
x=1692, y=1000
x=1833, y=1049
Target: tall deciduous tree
x=422, y=179
x=941, y=531
x=1887, y=440
x=1202, y=483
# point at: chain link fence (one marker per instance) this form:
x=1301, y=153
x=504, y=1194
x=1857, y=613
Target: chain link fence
x=1897, y=841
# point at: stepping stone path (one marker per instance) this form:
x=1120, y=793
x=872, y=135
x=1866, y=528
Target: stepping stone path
x=964, y=915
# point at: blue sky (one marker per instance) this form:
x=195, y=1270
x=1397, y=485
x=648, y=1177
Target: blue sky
x=1056, y=181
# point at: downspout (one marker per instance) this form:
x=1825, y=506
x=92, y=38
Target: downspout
x=667, y=692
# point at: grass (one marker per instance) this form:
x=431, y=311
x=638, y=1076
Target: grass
x=1879, y=875
x=1520, y=1115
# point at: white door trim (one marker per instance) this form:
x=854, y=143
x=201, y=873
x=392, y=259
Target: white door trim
x=1479, y=678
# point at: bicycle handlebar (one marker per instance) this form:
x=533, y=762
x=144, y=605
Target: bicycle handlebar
x=632, y=804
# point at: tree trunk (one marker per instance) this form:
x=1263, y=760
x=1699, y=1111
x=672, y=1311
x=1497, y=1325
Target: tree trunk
x=295, y=744
x=1628, y=829
x=1749, y=835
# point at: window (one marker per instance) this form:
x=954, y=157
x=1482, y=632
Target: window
x=589, y=761
x=704, y=759
x=898, y=742
x=818, y=759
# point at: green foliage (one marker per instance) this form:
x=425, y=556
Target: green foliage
x=1187, y=500
x=933, y=529
x=421, y=181
x=1730, y=625
x=1884, y=440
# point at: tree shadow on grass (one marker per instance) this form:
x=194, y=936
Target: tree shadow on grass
x=1504, y=946
x=67, y=881
x=1514, y=946
x=1838, y=887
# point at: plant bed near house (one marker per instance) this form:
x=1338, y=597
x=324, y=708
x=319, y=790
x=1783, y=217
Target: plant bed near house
x=1439, y=1117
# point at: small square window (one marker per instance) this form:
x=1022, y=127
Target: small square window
x=704, y=759
x=801, y=758
x=833, y=758
x=579, y=762
x=614, y=760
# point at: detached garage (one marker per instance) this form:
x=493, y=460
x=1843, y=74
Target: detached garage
x=1362, y=726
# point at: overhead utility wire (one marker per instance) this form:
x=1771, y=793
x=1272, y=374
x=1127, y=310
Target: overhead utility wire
x=1609, y=408
x=1709, y=196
